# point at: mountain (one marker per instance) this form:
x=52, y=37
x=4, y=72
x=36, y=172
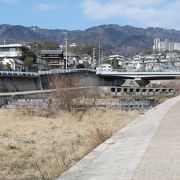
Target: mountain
x=120, y=39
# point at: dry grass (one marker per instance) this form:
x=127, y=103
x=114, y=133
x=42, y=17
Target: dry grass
x=34, y=147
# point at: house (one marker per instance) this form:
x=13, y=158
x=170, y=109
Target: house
x=171, y=55
x=138, y=59
x=72, y=59
x=72, y=45
x=53, y=58
x=12, y=64
x=85, y=61
x=10, y=55
x=120, y=59
x=11, y=50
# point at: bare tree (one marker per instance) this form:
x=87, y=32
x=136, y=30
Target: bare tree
x=70, y=95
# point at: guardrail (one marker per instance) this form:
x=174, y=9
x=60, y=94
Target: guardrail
x=62, y=71
x=135, y=70
x=17, y=73
x=59, y=71
x=36, y=74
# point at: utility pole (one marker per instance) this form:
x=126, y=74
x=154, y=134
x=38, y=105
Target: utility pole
x=94, y=54
x=4, y=41
x=66, y=47
x=99, y=53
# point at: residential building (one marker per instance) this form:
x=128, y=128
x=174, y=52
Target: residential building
x=119, y=58
x=72, y=59
x=53, y=58
x=11, y=50
x=12, y=64
x=10, y=57
x=156, y=44
x=166, y=45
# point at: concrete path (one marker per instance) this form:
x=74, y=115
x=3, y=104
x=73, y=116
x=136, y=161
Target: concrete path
x=162, y=158
x=148, y=148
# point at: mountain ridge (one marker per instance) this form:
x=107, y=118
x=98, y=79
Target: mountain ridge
x=120, y=39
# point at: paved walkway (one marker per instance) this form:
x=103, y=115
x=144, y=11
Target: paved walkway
x=147, y=149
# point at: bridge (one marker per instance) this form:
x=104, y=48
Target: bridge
x=25, y=81
x=141, y=77
x=149, y=75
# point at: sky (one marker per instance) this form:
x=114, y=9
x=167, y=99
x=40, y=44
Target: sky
x=82, y=14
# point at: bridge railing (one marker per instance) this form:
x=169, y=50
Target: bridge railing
x=136, y=70
x=17, y=73
x=57, y=71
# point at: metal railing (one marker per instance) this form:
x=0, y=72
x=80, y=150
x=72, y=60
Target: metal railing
x=17, y=73
x=59, y=71
x=98, y=71
x=137, y=70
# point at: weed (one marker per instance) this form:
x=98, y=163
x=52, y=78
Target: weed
x=99, y=135
x=42, y=148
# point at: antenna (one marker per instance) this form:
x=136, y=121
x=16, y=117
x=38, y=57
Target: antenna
x=4, y=41
x=99, y=53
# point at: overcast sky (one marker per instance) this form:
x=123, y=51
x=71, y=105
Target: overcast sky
x=82, y=14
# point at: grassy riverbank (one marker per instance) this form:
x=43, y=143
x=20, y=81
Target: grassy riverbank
x=33, y=145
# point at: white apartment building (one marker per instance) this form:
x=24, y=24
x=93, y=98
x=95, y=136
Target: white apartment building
x=166, y=45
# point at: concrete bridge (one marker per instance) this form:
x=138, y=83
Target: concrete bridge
x=116, y=77
x=25, y=81
x=142, y=78
x=148, y=75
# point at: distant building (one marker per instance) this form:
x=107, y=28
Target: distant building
x=53, y=58
x=11, y=50
x=138, y=59
x=119, y=58
x=73, y=45
x=166, y=45
x=156, y=46
x=72, y=59
x=10, y=55
x=84, y=61
x=12, y=64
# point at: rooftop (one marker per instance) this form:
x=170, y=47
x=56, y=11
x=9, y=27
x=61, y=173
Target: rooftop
x=10, y=45
x=51, y=51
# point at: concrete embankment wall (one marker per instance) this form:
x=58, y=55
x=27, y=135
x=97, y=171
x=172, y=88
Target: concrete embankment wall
x=13, y=84
x=83, y=79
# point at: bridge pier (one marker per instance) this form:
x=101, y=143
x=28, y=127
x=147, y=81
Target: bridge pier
x=142, y=82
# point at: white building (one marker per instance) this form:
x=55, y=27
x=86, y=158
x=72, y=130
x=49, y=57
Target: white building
x=11, y=50
x=13, y=64
x=166, y=45
x=119, y=58
x=156, y=44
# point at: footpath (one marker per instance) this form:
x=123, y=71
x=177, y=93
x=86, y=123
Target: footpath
x=146, y=149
